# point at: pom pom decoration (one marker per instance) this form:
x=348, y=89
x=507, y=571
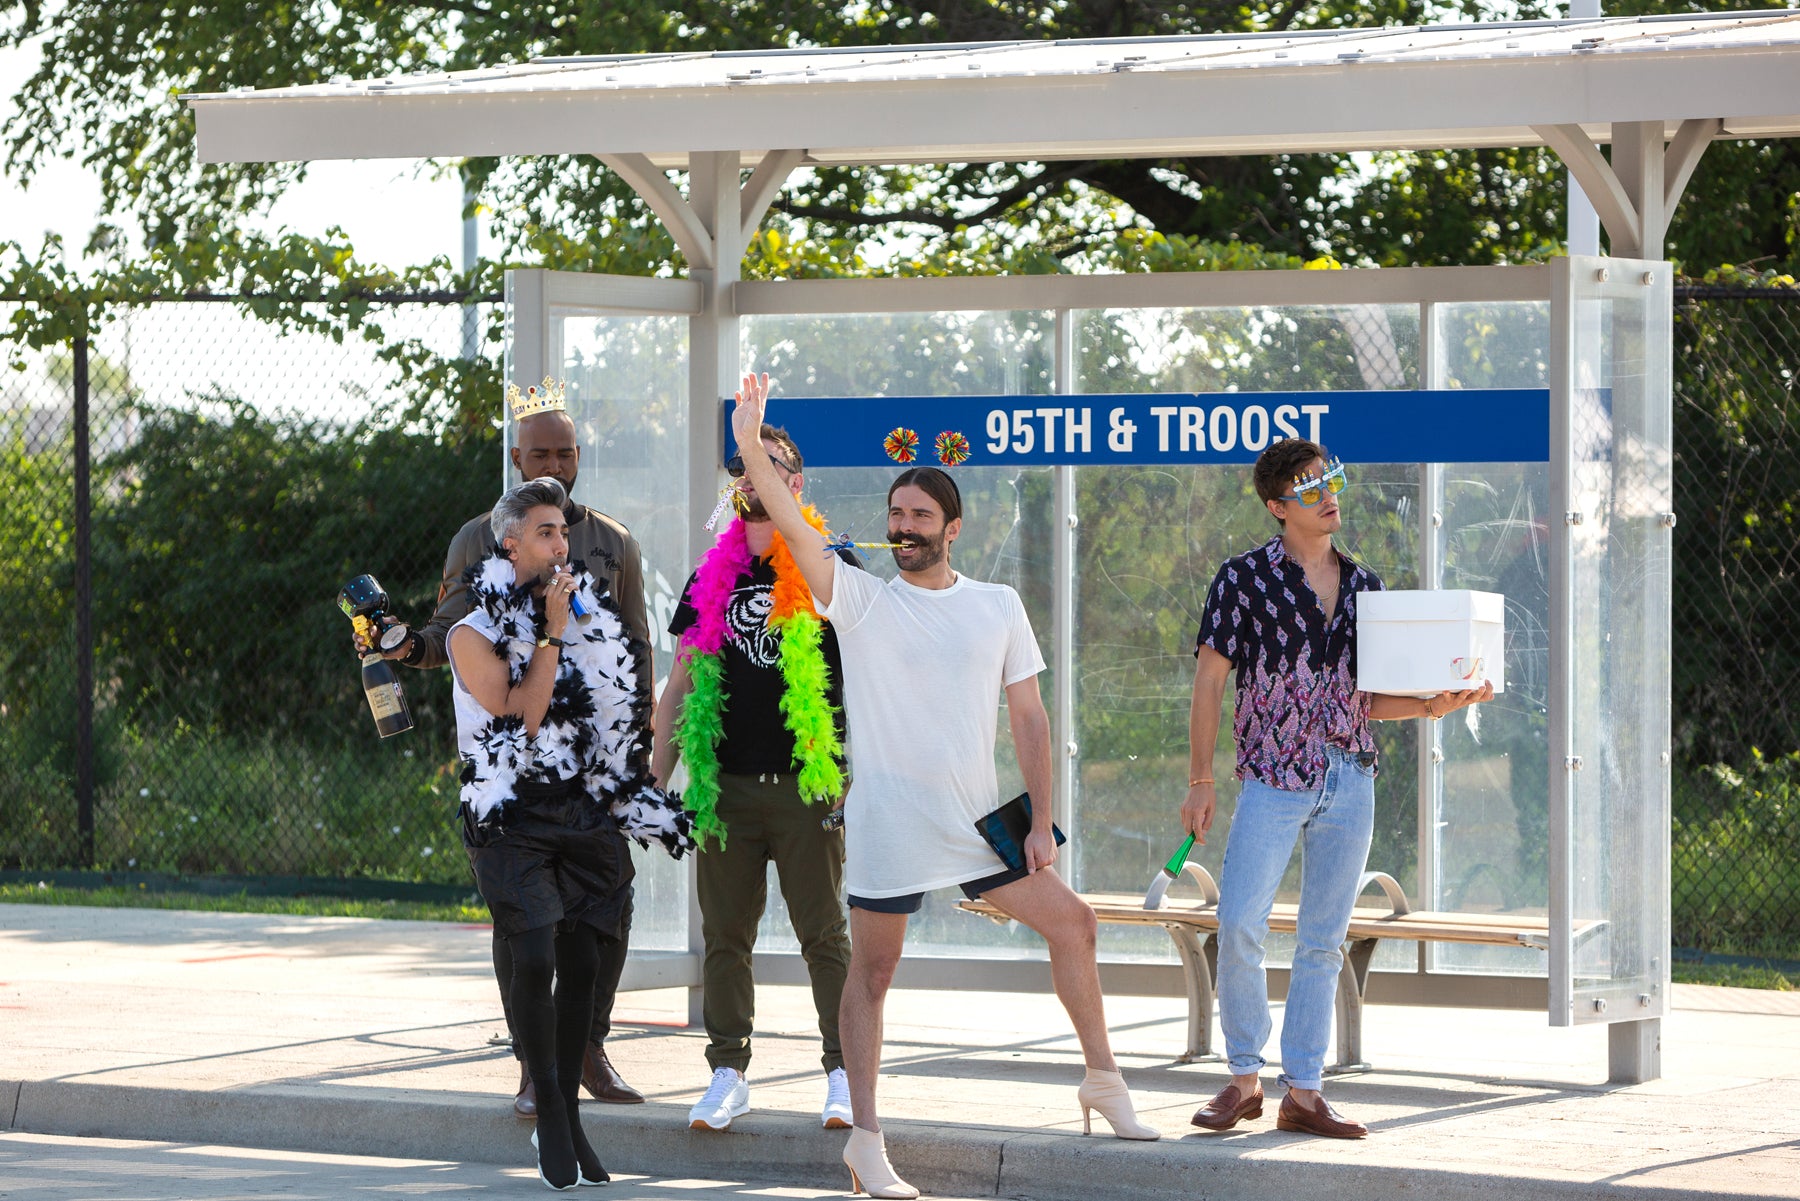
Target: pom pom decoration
x=952, y=448
x=902, y=445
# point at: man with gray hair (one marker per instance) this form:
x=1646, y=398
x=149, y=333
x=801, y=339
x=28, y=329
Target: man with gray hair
x=553, y=739
x=547, y=448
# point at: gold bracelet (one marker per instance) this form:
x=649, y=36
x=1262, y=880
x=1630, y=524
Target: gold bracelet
x=1201, y=780
x=1428, y=712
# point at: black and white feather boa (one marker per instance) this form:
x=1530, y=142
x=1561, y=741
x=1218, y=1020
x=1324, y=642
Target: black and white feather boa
x=597, y=727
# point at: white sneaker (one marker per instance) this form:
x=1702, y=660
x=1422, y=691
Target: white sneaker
x=836, y=1115
x=727, y=1097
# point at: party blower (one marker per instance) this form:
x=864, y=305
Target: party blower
x=1167, y=874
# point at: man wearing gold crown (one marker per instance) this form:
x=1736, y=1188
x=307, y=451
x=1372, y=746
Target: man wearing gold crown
x=546, y=447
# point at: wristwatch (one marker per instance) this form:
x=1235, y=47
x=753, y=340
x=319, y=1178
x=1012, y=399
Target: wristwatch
x=546, y=640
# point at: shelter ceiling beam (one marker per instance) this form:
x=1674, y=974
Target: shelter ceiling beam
x=1635, y=194
x=1691, y=141
x=764, y=185
x=667, y=202
x=701, y=235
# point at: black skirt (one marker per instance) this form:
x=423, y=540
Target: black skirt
x=553, y=856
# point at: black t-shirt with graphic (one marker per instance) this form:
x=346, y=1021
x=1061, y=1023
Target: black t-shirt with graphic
x=756, y=738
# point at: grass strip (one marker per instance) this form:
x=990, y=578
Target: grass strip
x=470, y=910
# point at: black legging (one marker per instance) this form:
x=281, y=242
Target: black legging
x=606, y=981
x=552, y=1028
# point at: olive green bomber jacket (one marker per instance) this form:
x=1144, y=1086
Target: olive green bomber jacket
x=603, y=544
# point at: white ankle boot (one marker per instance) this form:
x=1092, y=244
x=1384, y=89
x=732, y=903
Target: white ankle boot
x=1106, y=1092
x=870, y=1172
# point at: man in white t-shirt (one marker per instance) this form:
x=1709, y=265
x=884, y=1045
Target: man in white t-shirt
x=927, y=657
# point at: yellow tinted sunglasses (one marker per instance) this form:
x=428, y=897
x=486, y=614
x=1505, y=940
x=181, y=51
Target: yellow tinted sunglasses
x=1310, y=490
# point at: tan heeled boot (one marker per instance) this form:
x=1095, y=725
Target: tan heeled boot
x=1106, y=1092
x=870, y=1172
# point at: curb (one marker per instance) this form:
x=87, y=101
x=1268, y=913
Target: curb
x=653, y=1139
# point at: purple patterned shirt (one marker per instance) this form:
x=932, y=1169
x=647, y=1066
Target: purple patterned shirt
x=1296, y=674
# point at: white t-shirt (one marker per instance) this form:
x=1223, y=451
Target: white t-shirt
x=924, y=670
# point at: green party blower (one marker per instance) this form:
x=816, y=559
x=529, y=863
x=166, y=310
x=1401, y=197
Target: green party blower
x=1167, y=874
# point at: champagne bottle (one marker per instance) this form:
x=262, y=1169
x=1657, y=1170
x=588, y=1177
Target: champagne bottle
x=387, y=700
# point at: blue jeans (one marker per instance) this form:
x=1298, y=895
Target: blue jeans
x=1334, y=826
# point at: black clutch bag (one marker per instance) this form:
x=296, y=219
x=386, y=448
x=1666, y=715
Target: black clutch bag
x=1006, y=827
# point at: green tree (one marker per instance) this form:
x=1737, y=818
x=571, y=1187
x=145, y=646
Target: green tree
x=220, y=545
x=108, y=92
x=111, y=77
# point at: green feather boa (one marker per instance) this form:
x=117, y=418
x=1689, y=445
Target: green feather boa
x=697, y=733
x=807, y=714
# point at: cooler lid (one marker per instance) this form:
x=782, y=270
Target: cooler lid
x=1431, y=604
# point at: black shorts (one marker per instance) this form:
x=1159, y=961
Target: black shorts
x=911, y=902
x=549, y=859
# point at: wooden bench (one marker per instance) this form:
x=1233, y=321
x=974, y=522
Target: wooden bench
x=1195, y=931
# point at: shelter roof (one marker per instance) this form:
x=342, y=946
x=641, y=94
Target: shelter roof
x=1364, y=89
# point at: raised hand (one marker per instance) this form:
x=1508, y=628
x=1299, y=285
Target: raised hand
x=807, y=544
x=748, y=415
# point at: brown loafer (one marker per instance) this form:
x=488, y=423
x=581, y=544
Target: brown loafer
x=525, y=1103
x=1324, y=1121
x=1228, y=1109
x=603, y=1081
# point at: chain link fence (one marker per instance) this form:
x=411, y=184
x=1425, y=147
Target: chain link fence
x=1736, y=662
x=182, y=494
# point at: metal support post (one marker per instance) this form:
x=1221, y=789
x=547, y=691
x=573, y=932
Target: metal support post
x=1583, y=218
x=1062, y=606
x=1634, y=1051
x=84, y=612
x=1430, y=774
x=715, y=358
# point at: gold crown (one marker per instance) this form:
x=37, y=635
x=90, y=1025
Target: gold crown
x=546, y=397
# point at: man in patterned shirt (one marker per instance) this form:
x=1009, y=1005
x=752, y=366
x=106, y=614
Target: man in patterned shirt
x=1284, y=616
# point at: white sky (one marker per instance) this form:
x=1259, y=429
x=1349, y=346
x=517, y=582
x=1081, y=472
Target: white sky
x=392, y=213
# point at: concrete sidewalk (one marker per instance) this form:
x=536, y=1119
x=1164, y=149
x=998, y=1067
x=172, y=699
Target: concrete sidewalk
x=360, y=1037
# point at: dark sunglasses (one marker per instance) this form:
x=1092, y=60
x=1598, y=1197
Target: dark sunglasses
x=734, y=466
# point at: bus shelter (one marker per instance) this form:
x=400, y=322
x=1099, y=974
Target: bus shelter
x=1509, y=427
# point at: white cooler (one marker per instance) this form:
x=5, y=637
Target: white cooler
x=1421, y=643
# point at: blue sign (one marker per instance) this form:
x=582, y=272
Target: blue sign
x=1449, y=426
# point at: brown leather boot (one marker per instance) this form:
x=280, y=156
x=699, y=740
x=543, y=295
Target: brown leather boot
x=525, y=1103
x=603, y=1081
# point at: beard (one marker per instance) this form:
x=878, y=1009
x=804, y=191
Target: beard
x=750, y=508
x=919, y=553
x=541, y=579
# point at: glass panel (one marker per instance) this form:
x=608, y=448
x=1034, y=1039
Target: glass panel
x=1620, y=483
x=627, y=379
x=1149, y=543
x=1492, y=825
x=1006, y=510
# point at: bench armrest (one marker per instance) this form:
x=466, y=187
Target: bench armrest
x=1209, y=888
x=1395, y=894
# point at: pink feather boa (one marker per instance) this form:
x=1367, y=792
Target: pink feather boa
x=714, y=579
